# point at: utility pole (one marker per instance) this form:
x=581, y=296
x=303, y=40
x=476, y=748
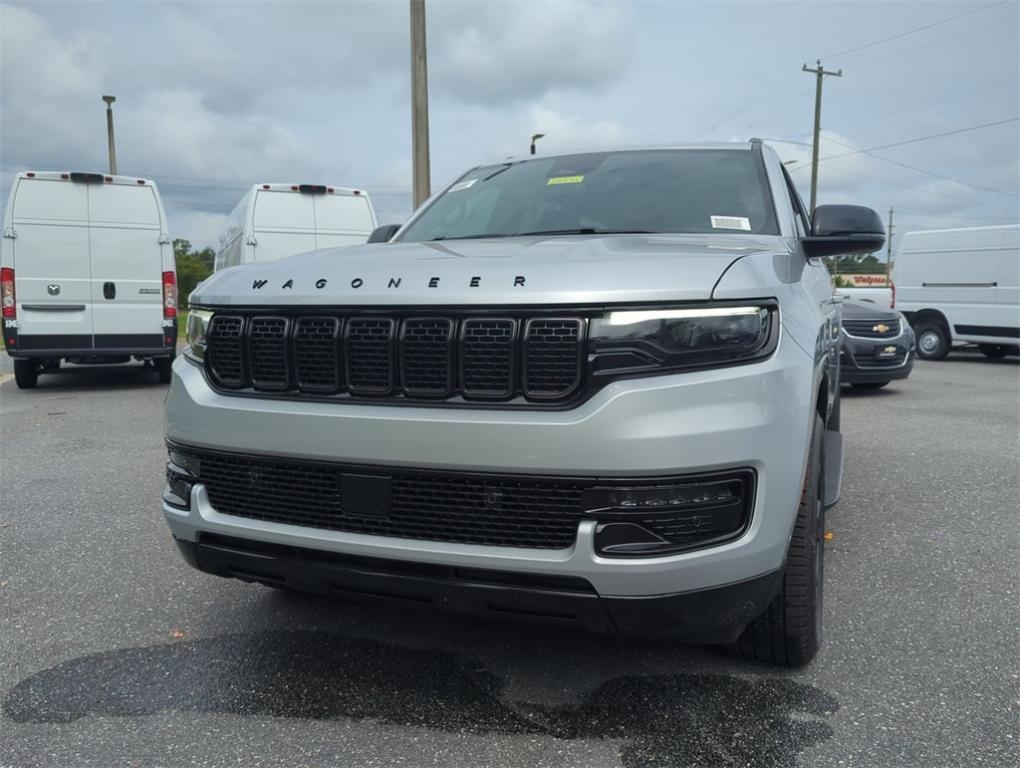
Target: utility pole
x=535, y=138
x=819, y=73
x=419, y=104
x=888, y=246
x=109, y=133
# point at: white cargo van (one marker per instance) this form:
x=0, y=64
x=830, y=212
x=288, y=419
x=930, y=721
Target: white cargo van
x=277, y=220
x=86, y=273
x=960, y=286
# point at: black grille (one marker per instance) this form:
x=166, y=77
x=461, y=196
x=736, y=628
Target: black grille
x=872, y=329
x=494, y=510
x=870, y=361
x=225, y=340
x=369, y=345
x=553, y=357
x=426, y=357
x=465, y=509
x=488, y=359
x=267, y=352
x=317, y=354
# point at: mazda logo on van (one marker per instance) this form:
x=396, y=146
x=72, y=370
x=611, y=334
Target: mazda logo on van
x=53, y=289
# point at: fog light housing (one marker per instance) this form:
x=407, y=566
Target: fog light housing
x=181, y=474
x=665, y=518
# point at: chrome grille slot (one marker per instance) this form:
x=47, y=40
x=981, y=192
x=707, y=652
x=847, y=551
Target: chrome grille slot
x=488, y=357
x=552, y=357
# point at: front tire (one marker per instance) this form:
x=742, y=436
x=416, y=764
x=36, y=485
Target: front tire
x=26, y=373
x=789, y=632
x=869, y=385
x=932, y=341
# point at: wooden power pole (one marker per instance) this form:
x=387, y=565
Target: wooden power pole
x=419, y=104
x=819, y=73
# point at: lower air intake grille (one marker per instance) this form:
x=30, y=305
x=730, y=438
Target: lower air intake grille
x=531, y=511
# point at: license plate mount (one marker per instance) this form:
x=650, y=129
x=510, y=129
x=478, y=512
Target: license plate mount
x=365, y=495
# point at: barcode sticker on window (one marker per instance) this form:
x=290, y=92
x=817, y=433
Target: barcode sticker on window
x=731, y=222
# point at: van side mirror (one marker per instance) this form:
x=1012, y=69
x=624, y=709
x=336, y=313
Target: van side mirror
x=383, y=234
x=844, y=229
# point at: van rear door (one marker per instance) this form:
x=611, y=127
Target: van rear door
x=283, y=223
x=51, y=265
x=342, y=219
x=127, y=266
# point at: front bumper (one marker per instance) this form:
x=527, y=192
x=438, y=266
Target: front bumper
x=860, y=361
x=755, y=416
x=714, y=615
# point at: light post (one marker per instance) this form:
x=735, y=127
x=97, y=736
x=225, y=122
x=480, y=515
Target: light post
x=535, y=138
x=109, y=133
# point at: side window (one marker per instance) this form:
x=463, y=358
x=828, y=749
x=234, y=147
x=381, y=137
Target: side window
x=803, y=220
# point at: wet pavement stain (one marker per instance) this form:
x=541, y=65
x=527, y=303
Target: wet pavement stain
x=662, y=721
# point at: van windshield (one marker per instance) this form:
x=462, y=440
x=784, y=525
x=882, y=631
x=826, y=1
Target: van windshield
x=684, y=191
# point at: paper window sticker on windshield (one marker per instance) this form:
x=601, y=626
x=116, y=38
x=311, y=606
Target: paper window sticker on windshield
x=564, y=180
x=731, y=222
x=462, y=185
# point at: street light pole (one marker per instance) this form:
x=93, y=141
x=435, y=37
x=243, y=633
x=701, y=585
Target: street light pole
x=109, y=133
x=419, y=105
x=535, y=138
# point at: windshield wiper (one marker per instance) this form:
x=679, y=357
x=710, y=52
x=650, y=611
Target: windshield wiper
x=588, y=231
x=468, y=237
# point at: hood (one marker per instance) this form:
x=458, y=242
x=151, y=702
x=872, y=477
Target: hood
x=855, y=309
x=512, y=271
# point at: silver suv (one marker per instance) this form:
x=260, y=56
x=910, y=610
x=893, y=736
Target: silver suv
x=597, y=389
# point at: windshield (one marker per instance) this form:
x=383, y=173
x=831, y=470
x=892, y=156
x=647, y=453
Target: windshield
x=689, y=191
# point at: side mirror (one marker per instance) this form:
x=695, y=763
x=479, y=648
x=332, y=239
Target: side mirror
x=383, y=234
x=844, y=229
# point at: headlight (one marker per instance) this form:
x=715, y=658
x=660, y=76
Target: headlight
x=198, y=325
x=641, y=341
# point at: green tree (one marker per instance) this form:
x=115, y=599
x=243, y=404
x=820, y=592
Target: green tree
x=192, y=268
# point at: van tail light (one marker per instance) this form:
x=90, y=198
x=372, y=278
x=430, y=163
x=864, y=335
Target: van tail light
x=169, y=295
x=7, y=297
x=893, y=286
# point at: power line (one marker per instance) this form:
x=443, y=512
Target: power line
x=916, y=29
x=927, y=138
x=927, y=104
x=946, y=195
x=998, y=23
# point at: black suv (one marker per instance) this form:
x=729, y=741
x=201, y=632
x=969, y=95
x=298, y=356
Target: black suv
x=878, y=345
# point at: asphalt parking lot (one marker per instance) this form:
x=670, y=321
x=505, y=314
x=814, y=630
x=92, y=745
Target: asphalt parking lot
x=114, y=653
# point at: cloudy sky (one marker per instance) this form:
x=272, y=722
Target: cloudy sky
x=215, y=96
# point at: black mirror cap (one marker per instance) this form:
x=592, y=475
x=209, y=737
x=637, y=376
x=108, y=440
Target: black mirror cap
x=384, y=233
x=844, y=229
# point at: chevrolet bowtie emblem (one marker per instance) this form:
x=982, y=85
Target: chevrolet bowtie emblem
x=889, y=350
x=880, y=328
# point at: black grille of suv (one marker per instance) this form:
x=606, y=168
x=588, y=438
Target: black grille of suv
x=872, y=329
x=416, y=357
x=463, y=507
